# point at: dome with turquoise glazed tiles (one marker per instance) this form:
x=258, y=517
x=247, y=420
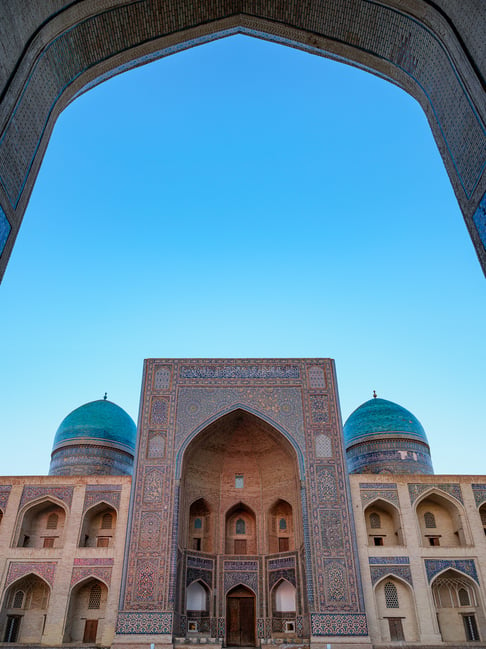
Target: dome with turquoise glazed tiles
x=96, y=438
x=383, y=437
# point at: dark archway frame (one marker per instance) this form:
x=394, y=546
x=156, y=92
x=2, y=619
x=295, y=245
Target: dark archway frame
x=422, y=46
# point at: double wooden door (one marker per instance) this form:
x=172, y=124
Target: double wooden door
x=240, y=618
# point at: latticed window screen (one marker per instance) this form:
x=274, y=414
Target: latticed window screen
x=240, y=526
x=375, y=521
x=95, y=596
x=282, y=524
x=463, y=597
x=107, y=521
x=18, y=599
x=391, y=595
x=429, y=520
x=52, y=522
x=198, y=523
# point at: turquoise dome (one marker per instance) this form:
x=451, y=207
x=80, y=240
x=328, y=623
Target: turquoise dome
x=100, y=422
x=379, y=418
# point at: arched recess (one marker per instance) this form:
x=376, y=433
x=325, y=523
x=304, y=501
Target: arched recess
x=460, y=613
x=395, y=604
x=41, y=525
x=198, y=605
x=280, y=527
x=238, y=458
x=383, y=524
x=431, y=52
x=240, y=527
x=284, y=606
x=240, y=617
x=24, y=610
x=99, y=526
x=482, y=514
x=441, y=521
x=86, y=612
x=200, y=532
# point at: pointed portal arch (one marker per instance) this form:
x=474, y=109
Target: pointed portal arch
x=460, y=614
x=86, y=612
x=24, y=609
x=240, y=617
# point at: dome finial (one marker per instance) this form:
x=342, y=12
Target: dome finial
x=374, y=394
x=106, y=396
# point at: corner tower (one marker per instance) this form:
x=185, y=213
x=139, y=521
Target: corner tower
x=382, y=437
x=97, y=438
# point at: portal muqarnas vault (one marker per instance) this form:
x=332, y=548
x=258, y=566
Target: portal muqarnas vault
x=250, y=519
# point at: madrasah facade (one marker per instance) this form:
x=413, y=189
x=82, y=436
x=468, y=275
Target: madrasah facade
x=240, y=512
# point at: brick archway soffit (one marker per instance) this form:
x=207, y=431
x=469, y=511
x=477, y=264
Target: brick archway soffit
x=73, y=50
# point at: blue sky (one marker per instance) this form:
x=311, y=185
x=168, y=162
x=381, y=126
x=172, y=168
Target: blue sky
x=243, y=199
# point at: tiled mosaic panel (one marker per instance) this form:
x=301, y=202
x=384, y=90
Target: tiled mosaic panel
x=33, y=492
x=144, y=623
x=4, y=494
x=372, y=491
x=467, y=566
x=479, y=491
x=453, y=489
x=353, y=624
x=155, y=445
x=317, y=377
x=400, y=571
x=99, y=561
x=323, y=446
x=369, y=26
x=45, y=569
x=246, y=371
x=80, y=574
x=162, y=378
x=109, y=494
x=479, y=219
x=5, y=228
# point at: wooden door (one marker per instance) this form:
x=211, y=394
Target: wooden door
x=240, y=618
x=90, y=630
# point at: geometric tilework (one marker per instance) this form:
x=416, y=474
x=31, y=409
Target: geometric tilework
x=479, y=219
x=18, y=569
x=479, y=491
x=453, y=489
x=148, y=623
x=401, y=571
x=388, y=561
x=467, y=566
x=253, y=372
x=5, y=228
x=249, y=579
x=353, y=624
x=4, y=494
x=383, y=492
x=80, y=574
x=109, y=494
x=95, y=561
x=31, y=492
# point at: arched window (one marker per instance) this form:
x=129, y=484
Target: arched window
x=106, y=521
x=95, y=596
x=196, y=597
x=375, y=521
x=282, y=524
x=18, y=599
x=391, y=595
x=240, y=526
x=429, y=520
x=198, y=523
x=52, y=522
x=464, y=597
x=284, y=597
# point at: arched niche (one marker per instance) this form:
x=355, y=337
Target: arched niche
x=280, y=527
x=395, y=604
x=99, y=527
x=482, y=514
x=427, y=50
x=200, y=536
x=24, y=610
x=383, y=524
x=239, y=462
x=198, y=608
x=240, y=617
x=86, y=612
x=460, y=614
x=441, y=521
x=41, y=525
x=240, y=527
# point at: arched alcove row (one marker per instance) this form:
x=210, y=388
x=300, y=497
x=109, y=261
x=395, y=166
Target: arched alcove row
x=58, y=51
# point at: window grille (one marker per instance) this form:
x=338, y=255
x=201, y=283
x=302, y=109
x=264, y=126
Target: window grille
x=282, y=524
x=239, y=481
x=375, y=521
x=18, y=599
x=429, y=520
x=471, y=627
x=52, y=522
x=391, y=595
x=48, y=542
x=463, y=597
x=240, y=526
x=95, y=596
x=198, y=524
x=107, y=521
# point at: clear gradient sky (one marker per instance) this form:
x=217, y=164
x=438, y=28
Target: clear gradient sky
x=243, y=199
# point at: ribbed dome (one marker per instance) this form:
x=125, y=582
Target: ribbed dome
x=382, y=437
x=99, y=420
x=95, y=439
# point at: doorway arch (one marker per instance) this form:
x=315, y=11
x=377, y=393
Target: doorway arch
x=240, y=617
x=432, y=53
